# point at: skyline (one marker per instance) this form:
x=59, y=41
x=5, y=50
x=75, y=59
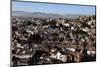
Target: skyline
x=53, y=8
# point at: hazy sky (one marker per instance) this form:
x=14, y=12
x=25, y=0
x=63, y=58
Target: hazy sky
x=52, y=8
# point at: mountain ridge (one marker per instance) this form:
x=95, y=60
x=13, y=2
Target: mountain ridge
x=41, y=14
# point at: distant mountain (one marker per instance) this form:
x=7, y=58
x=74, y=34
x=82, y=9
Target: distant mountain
x=20, y=13
x=41, y=15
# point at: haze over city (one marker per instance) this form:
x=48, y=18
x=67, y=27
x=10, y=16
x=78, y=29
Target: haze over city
x=53, y=8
